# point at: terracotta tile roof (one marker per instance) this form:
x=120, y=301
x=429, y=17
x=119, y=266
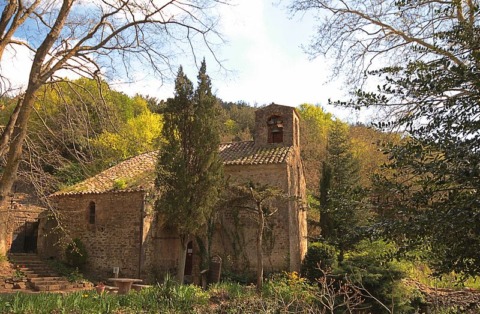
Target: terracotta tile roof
x=245, y=153
x=137, y=173
x=134, y=174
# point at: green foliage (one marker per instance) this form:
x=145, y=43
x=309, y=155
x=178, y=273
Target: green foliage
x=229, y=289
x=434, y=95
x=76, y=254
x=80, y=127
x=314, y=125
x=189, y=170
x=421, y=272
x=238, y=121
x=18, y=274
x=120, y=184
x=70, y=173
x=64, y=270
x=290, y=288
x=369, y=267
x=182, y=299
x=141, y=133
x=320, y=256
x=344, y=210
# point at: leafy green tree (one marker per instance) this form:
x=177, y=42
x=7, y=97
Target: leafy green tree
x=139, y=134
x=343, y=202
x=435, y=191
x=189, y=171
x=77, y=131
x=315, y=124
x=238, y=121
x=430, y=87
x=89, y=41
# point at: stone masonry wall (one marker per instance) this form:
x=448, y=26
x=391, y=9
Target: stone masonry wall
x=297, y=212
x=234, y=238
x=114, y=239
x=290, y=125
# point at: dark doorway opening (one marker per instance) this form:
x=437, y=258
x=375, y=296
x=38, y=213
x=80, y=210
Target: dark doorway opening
x=25, y=238
x=189, y=259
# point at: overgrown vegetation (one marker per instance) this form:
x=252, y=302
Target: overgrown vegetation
x=364, y=281
x=76, y=254
x=189, y=172
x=73, y=274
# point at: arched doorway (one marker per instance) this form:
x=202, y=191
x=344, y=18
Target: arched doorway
x=189, y=259
x=24, y=238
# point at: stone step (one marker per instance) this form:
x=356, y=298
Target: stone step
x=49, y=282
x=47, y=287
x=42, y=279
x=21, y=259
x=30, y=270
x=39, y=275
x=22, y=255
x=57, y=286
x=20, y=263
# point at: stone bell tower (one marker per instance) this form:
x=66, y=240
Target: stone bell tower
x=277, y=125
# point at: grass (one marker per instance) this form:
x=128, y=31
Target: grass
x=282, y=293
x=182, y=299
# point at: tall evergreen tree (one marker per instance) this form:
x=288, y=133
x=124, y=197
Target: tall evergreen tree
x=342, y=200
x=189, y=171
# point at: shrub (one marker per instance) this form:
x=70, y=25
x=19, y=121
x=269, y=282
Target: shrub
x=318, y=255
x=368, y=268
x=287, y=288
x=76, y=254
x=72, y=273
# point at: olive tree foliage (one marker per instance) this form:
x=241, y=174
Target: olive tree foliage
x=431, y=87
x=92, y=38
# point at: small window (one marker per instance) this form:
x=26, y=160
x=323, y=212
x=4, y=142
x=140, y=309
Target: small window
x=275, y=129
x=91, y=213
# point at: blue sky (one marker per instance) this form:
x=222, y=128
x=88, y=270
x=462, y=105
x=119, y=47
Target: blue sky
x=262, y=62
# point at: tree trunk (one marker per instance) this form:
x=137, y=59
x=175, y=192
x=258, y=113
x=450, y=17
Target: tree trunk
x=182, y=258
x=13, y=160
x=261, y=222
x=3, y=231
x=38, y=76
x=7, y=132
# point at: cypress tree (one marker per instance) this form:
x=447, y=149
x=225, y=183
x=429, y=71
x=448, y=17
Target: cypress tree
x=189, y=171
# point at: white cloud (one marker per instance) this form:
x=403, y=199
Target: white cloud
x=263, y=57
x=15, y=67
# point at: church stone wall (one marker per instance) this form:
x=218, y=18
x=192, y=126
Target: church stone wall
x=114, y=239
x=290, y=125
x=235, y=235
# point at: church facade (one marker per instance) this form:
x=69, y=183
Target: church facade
x=112, y=213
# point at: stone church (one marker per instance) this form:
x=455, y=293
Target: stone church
x=112, y=213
